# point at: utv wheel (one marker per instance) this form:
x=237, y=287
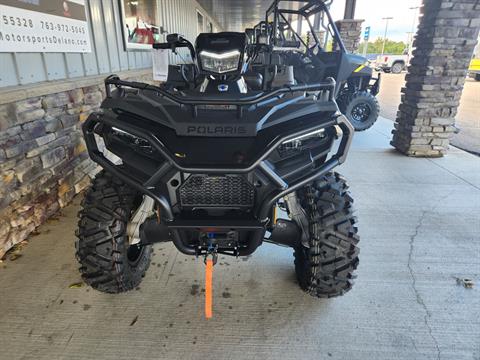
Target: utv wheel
x=477, y=77
x=108, y=262
x=361, y=109
x=325, y=269
x=397, y=68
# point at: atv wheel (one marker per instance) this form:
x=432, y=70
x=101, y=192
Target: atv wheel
x=325, y=269
x=108, y=262
x=361, y=109
x=397, y=68
x=477, y=77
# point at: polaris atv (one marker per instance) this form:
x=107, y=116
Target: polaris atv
x=275, y=42
x=217, y=161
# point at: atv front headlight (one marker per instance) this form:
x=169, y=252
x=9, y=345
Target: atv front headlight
x=220, y=63
x=305, y=138
x=300, y=143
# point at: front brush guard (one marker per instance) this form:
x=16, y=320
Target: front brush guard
x=148, y=187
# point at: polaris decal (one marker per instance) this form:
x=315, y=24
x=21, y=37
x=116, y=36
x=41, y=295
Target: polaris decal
x=221, y=130
x=216, y=130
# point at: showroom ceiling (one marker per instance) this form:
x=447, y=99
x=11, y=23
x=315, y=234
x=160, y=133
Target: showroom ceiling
x=236, y=15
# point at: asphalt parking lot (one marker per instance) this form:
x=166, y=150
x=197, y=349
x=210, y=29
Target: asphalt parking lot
x=468, y=117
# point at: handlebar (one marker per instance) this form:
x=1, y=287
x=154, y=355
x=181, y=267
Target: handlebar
x=180, y=42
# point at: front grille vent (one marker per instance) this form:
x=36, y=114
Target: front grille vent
x=216, y=191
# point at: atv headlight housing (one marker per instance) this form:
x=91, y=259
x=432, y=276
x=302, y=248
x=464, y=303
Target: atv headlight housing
x=300, y=143
x=220, y=63
x=221, y=54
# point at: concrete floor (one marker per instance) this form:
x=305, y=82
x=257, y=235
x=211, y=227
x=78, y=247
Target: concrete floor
x=467, y=119
x=419, y=225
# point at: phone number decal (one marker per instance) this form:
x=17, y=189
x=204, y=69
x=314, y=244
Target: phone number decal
x=24, y=30
x=45, y=25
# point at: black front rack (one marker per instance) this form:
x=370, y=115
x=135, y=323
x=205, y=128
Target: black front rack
x=328, y=85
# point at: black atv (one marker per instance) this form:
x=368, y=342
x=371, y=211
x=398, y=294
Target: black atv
x=276, y=43
x=209, y=159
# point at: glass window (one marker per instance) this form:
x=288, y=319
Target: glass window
x=199, y=22
x=140, y=23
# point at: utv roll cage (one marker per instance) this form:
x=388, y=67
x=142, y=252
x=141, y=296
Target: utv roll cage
x=259, y=29
x=276, y=17
x=277, y=41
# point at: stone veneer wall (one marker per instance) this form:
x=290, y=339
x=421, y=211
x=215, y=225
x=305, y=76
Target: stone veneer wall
x=43, y=158
x=350, y=31
x=444, y=44
x=321, y=38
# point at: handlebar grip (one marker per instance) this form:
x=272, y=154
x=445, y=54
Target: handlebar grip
x=162, y=46
x=178, y=44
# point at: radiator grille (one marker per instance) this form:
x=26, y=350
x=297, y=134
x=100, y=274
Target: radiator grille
x=216, y=191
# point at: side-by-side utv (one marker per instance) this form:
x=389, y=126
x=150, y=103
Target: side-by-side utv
x=277, y=43
x=223, y=156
